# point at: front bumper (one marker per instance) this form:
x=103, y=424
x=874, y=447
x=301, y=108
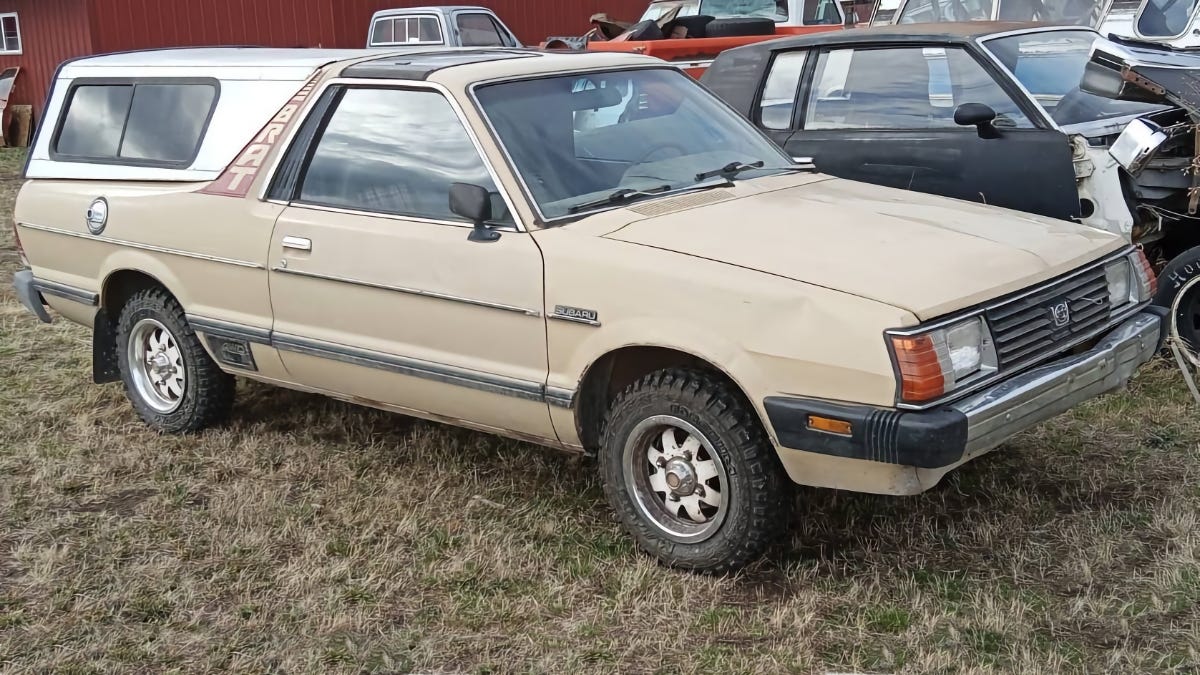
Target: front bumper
x=27, y=293
x=949, y=435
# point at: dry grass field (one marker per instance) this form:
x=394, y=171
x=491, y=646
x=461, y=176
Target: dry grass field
x=312, y=536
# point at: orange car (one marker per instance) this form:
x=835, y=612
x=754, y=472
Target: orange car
x=691, y=33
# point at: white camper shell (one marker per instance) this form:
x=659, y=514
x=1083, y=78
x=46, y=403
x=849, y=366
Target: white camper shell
x=187, y=112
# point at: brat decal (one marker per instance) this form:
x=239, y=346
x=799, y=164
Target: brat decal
x=235, y=181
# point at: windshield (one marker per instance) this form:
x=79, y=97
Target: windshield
x=771, y=9
x=1070, y=12
x=576, y=139
x=1050, y=65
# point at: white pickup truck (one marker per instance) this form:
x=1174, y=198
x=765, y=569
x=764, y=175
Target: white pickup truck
x=451, y=26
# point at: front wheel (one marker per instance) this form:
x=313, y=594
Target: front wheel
x=690, y=473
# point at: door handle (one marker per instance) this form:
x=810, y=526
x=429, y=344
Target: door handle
x=297, y=243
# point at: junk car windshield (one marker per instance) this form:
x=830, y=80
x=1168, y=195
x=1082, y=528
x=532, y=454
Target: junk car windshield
x=770, y=9
x=1050, y=65
x=578, y=139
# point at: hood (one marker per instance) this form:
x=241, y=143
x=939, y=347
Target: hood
x=929, y=255
x=1129, y=70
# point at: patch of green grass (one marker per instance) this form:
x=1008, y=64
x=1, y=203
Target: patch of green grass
x=887, y=619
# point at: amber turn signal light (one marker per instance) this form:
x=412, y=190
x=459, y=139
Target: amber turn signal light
x=921, y=377
x=829, y=425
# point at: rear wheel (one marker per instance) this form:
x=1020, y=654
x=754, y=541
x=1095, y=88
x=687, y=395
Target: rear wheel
x=691, y=474
x=173, y=384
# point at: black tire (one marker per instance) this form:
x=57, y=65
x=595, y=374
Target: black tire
x=739, y=27
x=755, y=491
x=1182, y=269
x=207, y=391
x=695, y=26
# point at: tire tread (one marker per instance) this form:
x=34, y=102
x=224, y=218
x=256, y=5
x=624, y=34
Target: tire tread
x=770, y=496
x=210, y=388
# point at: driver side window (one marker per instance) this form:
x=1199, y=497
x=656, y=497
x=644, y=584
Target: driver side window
x=395, y=152
x=903, y=88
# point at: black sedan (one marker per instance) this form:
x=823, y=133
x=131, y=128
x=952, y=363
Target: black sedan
x=995, y=113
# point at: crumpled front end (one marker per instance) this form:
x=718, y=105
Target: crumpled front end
x=1158, y=151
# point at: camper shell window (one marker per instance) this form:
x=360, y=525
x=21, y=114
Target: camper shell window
x=144, y=122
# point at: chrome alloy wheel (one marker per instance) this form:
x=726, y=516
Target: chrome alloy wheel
x=156, y=365
x=677, y=480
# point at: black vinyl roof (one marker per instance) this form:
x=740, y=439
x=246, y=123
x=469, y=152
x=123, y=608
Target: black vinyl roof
x=419, y=65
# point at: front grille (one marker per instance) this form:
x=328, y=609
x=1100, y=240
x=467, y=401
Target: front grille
x=1027, y=328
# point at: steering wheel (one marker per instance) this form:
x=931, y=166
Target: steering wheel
x=678, y=150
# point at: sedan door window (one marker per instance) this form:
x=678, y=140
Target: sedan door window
x=903, y=88
x=779, y=95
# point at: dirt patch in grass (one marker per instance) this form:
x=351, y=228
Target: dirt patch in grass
x=313, y=536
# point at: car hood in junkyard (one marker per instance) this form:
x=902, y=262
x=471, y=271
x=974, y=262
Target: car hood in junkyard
x=929, y=255
x=1142, y=71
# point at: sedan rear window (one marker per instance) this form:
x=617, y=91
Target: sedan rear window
x=158, y=123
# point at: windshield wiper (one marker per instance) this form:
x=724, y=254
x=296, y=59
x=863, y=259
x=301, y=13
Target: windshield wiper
x=622, y=195
x=731, y=169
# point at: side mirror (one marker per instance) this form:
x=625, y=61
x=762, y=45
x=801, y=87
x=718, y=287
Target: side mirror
x=474, y=203
x=979, y=116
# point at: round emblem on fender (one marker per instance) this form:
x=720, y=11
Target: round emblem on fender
x=97, y=216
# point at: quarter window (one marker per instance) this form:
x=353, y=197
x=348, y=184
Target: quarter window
x=136, y=123
x=10, y=31
x=903, y=88
x=479, y=30
x=395, y=151
x=779, y=95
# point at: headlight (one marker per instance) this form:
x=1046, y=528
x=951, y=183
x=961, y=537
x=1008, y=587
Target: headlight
x=1118, y=274
x=938, y=361
x=1130, y=280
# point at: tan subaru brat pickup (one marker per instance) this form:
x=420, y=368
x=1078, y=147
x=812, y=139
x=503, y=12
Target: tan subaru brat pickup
x=586, y=251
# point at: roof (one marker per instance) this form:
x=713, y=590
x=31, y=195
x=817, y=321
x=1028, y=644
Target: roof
x=223, y=56
x=474, y=64
x=431, y=9
x=948, y=32
x=418, y=65
x=255, y=63
x=232, y=63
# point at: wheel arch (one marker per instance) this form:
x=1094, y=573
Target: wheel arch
x=118, y=286
x=614, y=370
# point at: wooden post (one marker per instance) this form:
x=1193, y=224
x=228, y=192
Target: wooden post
x=21, y=126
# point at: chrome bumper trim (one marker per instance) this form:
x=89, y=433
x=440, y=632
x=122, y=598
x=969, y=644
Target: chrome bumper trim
x=1014, y=405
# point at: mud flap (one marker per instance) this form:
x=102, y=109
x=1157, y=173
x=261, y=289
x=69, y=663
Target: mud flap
x=104, y=350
